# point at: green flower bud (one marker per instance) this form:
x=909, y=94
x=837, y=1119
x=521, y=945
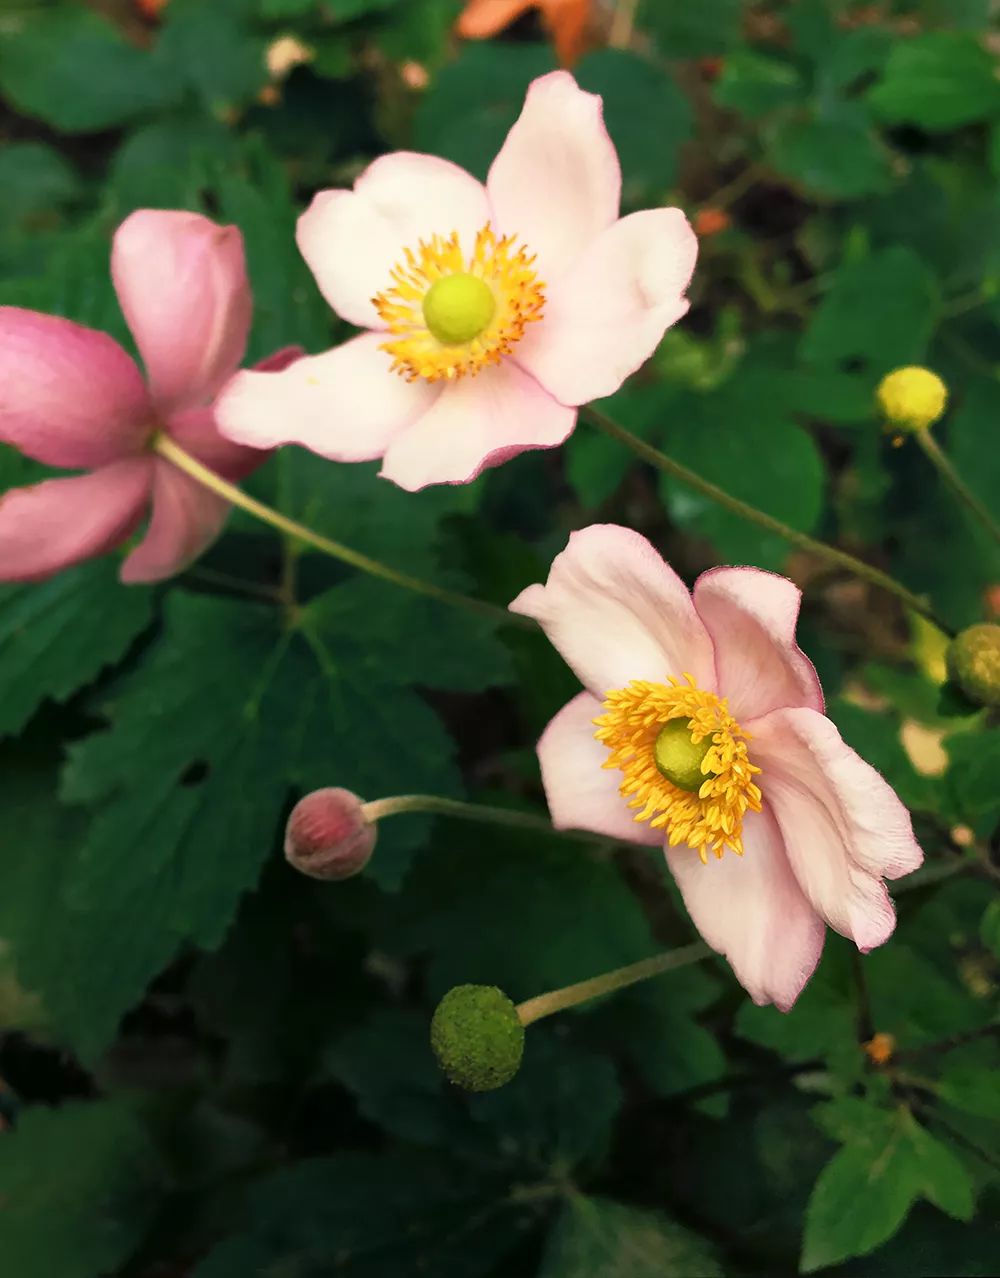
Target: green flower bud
x=678, y=758
x=477, y=1037
x=911, y=398
x=458, y=307
x=973, y=660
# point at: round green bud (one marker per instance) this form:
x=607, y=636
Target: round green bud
x=677, y=757
x=973, y=661
x=911, y=398
x=477, y=1037
x=458, y=307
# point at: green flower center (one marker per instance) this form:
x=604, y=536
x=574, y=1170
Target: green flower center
x=677, y=757
x=457, y=308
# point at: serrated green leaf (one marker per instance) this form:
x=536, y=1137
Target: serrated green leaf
x=938, y=80
x=836, y=154
x=57, y=636
x=214, y=50
x=78, y=1185
x=598, y=1238
x=755, y=84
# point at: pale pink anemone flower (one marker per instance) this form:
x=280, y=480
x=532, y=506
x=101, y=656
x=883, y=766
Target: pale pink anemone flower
x=702, y=730
x=492, y=312
x=71, y=397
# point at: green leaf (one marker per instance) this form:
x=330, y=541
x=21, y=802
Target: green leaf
x=213, y=49
x=57, y=636
x=989, y=929
x=938, y=80
x=880, y=310
x=78, y=1186
x=970, y=1088
x=755, y=84
x=598, y=1238
x=103, y=81
x=692, y=30
x=971, y=778
x=836, y=155
x=35, y=178
x=639, y=99
x=170, y=163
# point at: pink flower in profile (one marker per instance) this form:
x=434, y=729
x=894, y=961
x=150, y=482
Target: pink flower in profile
x=492, y=311
x=701, y=729
x=71, y=397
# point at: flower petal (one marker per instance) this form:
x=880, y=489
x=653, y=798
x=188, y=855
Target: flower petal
x=607, y=315
x=70, y=395
x=751, y=909
x=481, y=19
x=477, y=422
x=182, y=283
x=60, y=522
x=351, y=240
x=186, y=520
x=751, y=617
x=844, y=828
x=345, y=404
x=617, y=612
x=581, y=793
x=556, y=182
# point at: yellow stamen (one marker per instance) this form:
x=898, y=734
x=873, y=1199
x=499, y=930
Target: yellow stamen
x=507, y=271
x=708, y=819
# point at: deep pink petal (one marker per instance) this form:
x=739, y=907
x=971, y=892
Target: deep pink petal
x=843, y=825
x=751, y=909
x=751, y=616
x=556, y=182
x=477, y=422
x=617, y=612
x=605, y=317
x=69, y=396
x=581, y=793
x=60, y=522
x=186, y=520
x=345, y=404
x=182, y=283
x=351, y=240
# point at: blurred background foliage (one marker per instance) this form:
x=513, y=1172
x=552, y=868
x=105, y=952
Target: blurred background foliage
x=213, y=1068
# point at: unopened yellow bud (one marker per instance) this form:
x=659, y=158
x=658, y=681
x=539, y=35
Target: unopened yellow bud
x=912, y=398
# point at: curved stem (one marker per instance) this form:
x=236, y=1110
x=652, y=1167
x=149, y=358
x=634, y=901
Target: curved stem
x=533, y=1009
x=483, y=813
x=932, y=450
x=292, y=528
x=745, y=511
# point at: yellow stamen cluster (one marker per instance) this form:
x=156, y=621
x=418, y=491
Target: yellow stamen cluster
x=504, y=268
x=709, y=819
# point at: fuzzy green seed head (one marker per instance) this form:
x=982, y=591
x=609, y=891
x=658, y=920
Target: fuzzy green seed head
x=677, y=757
x=457, y=308
x=477, y=1037
x=973, y=660
x=911, y=398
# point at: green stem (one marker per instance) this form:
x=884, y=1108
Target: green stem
x=432, y=804
x=291, y=528
x=533, y=1009
x=932, y=450
x=840, y=558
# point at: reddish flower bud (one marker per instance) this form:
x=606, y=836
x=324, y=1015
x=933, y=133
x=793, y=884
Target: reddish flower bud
x=327, y=836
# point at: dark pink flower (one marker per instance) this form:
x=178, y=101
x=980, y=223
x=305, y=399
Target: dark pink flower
x=71, y=397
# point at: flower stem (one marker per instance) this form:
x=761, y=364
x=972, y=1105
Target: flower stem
x=956, y=483
x=483, y=813
x=292, y=528
x=840, y=558
x=533, y=1009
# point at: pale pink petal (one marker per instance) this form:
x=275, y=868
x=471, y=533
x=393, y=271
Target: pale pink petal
x=476, y=422
x=60, y=522
x=556, y=182
x=581, y=793
x=182, y=283
x=351, y=240
x=69, y=396
x=616, y=612
x=605, y=317
x=346, y=404
x=751, y=616
x=751, y=909
x=844, y=828
x=186, y=520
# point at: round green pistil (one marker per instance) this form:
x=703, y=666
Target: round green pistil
x=458, y=307
x=678, y=757
x=477, y=1037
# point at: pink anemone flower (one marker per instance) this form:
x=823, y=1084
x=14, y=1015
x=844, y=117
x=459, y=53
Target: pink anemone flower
x=492, y=312
x=701, y=729
x=71, y=397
